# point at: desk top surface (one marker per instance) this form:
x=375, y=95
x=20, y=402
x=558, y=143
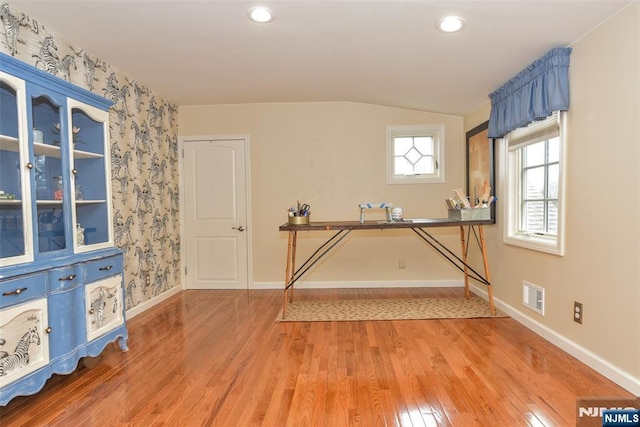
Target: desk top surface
x=381, y=225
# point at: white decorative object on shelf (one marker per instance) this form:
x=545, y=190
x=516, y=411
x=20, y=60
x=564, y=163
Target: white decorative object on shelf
x=79, y=235
x=38, y=136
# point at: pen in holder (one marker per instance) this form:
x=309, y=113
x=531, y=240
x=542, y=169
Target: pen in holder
x=299, y=214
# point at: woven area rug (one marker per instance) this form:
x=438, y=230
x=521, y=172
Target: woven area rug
x=388, y=309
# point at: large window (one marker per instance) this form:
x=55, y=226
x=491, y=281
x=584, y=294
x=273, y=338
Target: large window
x=415, y=154
x=535, y=158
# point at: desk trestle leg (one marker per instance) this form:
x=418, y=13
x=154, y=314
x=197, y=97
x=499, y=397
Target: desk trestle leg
x=293, y=263
x=464, y=259
x=290, y=268
x=486, y=269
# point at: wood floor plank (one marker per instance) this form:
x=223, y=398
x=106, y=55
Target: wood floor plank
x=219, y=358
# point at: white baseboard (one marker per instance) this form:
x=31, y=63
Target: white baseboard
x=364, y=284
x=597, y=363
x=153, y=301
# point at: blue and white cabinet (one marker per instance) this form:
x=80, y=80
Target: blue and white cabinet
x=61, y=278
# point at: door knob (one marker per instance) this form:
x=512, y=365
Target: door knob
x=241, y=228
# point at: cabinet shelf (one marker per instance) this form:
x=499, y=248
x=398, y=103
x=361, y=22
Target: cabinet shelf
x=59, y=202
x=54, y=151
x=89, y=202
x=49, y=203
x=80, y=154
x=9, y=143
x=47, y=150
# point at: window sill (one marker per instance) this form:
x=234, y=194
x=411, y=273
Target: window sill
x=416, y=179
x=536, y=243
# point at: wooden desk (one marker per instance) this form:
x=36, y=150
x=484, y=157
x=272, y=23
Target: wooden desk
x=418, y=226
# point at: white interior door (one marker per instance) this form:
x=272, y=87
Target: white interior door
x=215, y=214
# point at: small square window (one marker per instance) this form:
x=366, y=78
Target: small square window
x=415, y=154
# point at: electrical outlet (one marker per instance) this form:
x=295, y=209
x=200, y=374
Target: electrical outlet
x=402, y=263
x=148, y=280
x=578, y=312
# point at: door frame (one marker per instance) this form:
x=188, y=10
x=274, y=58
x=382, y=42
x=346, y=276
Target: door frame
x=182, y=140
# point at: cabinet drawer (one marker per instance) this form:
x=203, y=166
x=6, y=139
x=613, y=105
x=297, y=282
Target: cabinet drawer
x=22, y=288
x=65, y=277
x=98, y=269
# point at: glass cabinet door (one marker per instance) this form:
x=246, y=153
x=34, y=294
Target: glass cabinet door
x=15, y=203
x=90, y=173
x=55, y=180
x=49, y=178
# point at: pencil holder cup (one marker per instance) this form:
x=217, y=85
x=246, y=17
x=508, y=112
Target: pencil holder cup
x=299, y=220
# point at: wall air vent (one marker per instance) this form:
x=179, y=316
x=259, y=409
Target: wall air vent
x=533, y=297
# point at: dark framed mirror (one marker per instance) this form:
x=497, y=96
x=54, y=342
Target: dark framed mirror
x=481, y=165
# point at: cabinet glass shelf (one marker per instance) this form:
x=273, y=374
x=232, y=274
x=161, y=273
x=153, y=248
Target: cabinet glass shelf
x=12, y=144
x=9, y=143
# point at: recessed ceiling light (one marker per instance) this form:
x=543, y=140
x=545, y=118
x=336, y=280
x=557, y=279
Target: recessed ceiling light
x=450, y=24
x=261, y=14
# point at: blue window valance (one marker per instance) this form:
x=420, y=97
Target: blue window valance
x=536, y=92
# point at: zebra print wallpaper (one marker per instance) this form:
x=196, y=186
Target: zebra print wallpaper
x=143, y=132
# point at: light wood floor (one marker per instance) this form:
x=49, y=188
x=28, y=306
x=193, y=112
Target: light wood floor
x=218, y=358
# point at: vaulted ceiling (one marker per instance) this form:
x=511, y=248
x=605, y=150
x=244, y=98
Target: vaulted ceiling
x=387, y=52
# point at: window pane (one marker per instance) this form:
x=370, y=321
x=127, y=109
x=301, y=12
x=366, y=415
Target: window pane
x=552, y=214
x=403, y=167
x=413, y=156
x=554, y=150
x=554, y=176
x=533, y=220
x=534, y=154
x=425, y=166
x=401, y=145
x=424, y=144
x=534, y=183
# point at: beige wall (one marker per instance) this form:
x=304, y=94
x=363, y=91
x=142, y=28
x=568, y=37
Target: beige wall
x=601, y=266
x=478, y=116
x=332, y=156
